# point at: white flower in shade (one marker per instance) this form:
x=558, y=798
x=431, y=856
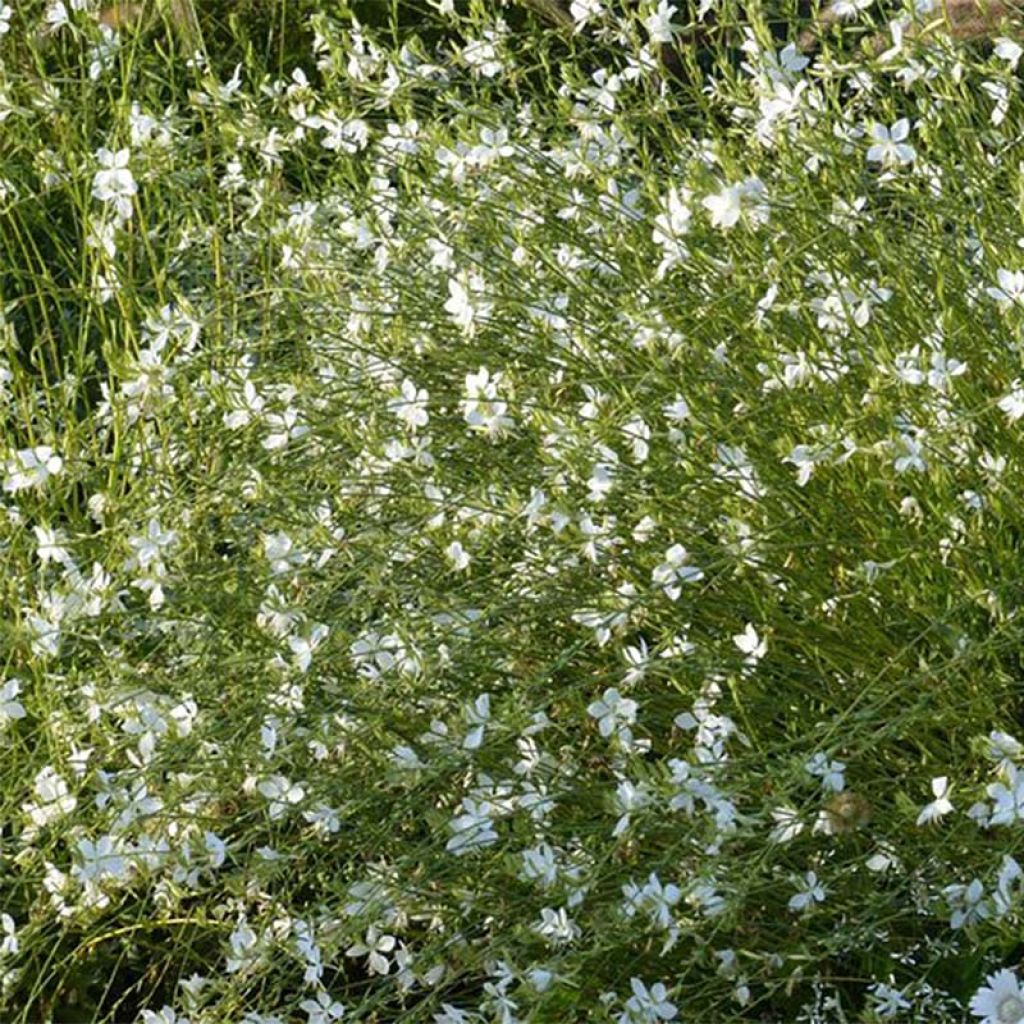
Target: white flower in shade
x=888, y=1001
x=471, y=829
x=556, y=926
x=1008, y=50
x=940, y=806
x=478, y=715
x=457, y=555
x=1000, y=1000
x=968, y=903
x=677, y=411
x=647, y=1005
x=1011, y=288
x=911, y=455
x=323, y=1009
x=5, y=19
x=811, y=892
x=113, y=182
x=281, y=794
x=302, y=647
x=614, y=713
x=638, y=435
x=100, y=860
x=1008, y=798
x=1004, y=748
x=10, y=708
x=890, y=145
x=31, y=467
x=1013, y=403
x=376, y=947
x=787, y=824
x=830, y=772
x=165, y=1015
x=676, y=570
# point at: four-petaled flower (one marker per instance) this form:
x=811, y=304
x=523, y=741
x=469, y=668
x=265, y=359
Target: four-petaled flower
x=890, y=145
x=114, y=183
x=1011, y=288
x=674, y=570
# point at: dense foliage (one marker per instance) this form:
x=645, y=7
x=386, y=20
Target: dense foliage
x=493, y=530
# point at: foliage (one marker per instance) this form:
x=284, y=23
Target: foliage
x=495, y=531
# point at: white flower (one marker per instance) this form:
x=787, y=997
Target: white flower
x=735, y=201
x=647, y=1005
x=787, y=824
x=676, y=411
x=31, y=467
x=911, y=456
x=940, y=805
x=890, y=146
x=100, y=860
x=583, y=10
x=323, y=1009
x=968, y=902
x=150, y=546
x=751, y=645
x=888, y=1001
x=473, y=828
x=5, y=19
x=482, y=409
x=1000, y=1000
x=1009, y=798
x=411, y=406
x=114, y=183
x=675, y=570
x=812, y=892
x=830, y=772
x=9, y=943
x=165, y=1015
x=847, y=9
x=10, y=708
x=659, y=24
x=463, y=304
x=1008, y=50
x=669, y=228
x=1004, y=748
x=556, y=926
x=302, y=647
x=48, y=546
x=457, y=555
x=478, y=714
x=57, y=15
x=1013, y=403
x=638, y=433
x=54, y=800
x=374, y=948
x=281, y=794
x=613, y=712
x=1011, y=288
